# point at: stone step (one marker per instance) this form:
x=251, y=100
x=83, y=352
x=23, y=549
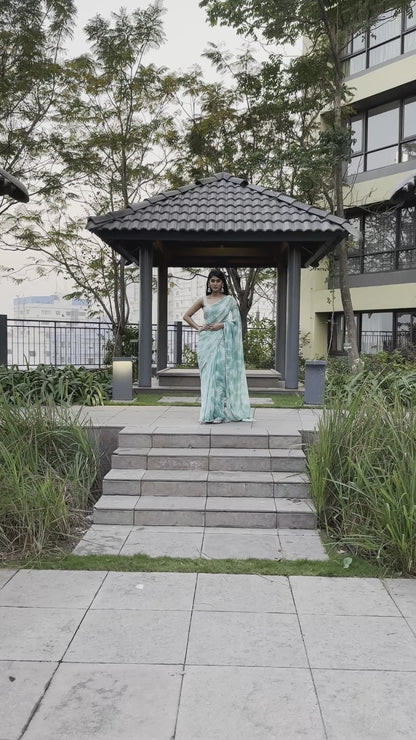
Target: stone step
x=202, y=511
x=208, y=436
x=180, y=378
x=143, y=482
x=176, y=458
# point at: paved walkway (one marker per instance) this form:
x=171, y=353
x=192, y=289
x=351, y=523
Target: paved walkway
x=210, y=542
x=175, y=656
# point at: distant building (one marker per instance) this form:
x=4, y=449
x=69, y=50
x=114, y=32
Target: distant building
x=50, y=307
x=52, y=330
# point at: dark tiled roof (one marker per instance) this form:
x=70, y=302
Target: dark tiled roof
x=218, y=204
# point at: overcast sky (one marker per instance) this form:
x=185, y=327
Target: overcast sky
x=187, y=35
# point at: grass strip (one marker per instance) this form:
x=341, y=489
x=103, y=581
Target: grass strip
x=143, y=563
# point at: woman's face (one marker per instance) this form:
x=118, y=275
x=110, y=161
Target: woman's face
x=215, y=283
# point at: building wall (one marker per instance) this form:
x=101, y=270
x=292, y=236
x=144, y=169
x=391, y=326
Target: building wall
x=374, y=291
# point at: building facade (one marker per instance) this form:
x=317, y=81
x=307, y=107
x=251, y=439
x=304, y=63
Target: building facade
x=380, y=69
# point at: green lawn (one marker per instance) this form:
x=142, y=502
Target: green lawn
x=339, y=564
x=280, y=400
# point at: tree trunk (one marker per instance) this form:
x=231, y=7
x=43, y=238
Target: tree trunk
x=338, y=177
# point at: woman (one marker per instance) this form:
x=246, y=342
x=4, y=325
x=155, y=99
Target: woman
x=224, y=394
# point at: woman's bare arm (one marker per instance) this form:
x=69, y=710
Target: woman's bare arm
x=191, y=311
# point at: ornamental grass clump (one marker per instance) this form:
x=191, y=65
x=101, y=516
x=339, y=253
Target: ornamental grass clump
x=363, y=472
x=47, y=470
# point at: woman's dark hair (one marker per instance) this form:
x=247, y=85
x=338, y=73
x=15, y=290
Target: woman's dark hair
x=221, y=276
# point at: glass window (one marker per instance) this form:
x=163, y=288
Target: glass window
x=406, y=329
x=382, y=158
x=383, y=126
x=408, y=151
x=358, y=42
x=376, y=331
x=410, y=20
x=336, y=333
x=380, y=232
x=383, y=53
x=407, y=246
x=356, y=64
x=409, y=42
x=387, y=27
x=409, y=118
x=357, y=128
x=356, y=165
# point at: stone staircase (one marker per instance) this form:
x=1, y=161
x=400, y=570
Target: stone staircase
x=207, y=475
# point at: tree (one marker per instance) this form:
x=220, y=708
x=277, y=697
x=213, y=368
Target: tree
x=252, y=124
x=326, y=24
x=113, y=134
x=32, y=38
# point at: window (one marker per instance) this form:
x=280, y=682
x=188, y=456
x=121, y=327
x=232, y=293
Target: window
x=377, y=331
x=388, y=242
x=383, y=136
x=391, y=36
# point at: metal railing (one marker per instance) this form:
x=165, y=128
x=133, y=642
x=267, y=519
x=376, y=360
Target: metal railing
x=28, y=343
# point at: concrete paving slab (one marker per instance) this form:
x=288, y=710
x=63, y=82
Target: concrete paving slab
x=22, y=685
x=36, y=634
x=248, y=704
x=130, y=636
x=105, y=539
x=156, y=591
x=224, y=544
x=6, y=575
x=164, y=544
x=179, y=399
x=105, y=702
x=360, y=643
x=403, y=592
x=355, y=596
x=367, y=705
x=301, y=545
x=246, y=639
x=65, y=589
x=243, y=593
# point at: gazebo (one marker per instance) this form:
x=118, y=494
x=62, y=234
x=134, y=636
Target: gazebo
x=221, y=221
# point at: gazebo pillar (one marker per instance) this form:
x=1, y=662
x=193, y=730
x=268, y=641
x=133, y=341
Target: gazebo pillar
x=162, y=317
x=145, y=319
x=292, y=318
x=280, y=348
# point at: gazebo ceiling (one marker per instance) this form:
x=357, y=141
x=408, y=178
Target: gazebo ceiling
x=223, y=221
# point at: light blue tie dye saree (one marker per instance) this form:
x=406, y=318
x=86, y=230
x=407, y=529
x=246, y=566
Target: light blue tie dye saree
x=224, y=394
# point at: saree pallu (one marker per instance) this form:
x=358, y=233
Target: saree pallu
x=224, y=394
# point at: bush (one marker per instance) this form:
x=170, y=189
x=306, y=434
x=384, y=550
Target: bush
x=48, y=384
x=363, y=472
x=259, y=344
x=189, y=357
x=47, y=469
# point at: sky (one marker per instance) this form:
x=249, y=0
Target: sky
x=187, y=35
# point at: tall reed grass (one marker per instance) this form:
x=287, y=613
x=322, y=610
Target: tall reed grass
x=47, y=469
x=363, y=469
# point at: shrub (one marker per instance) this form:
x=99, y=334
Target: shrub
x=189, y=357
x=47, y=384
x=363, y=472
x=259, y=344
x=47, y=469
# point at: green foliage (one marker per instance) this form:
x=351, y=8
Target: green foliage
x=47, y=469
x=363, y=472
x=47, y=384
x=129, y=346
x=189, y=357
x=391, y=373
x=259, y=344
